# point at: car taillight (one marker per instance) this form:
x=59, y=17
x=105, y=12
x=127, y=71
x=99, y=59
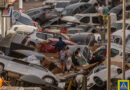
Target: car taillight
x=63, y=31
x=28, y=36
x=40, y=30
x=94, y=58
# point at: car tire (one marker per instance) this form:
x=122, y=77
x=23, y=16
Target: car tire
x=119, y=71
x=47, y=78
x=1, y=68
x=98, y=81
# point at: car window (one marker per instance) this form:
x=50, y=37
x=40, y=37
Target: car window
x=118, y=40
x=100, y=52
x=41, y=36
x=95, y=20
x=82, y=8
x=67, y=11
x=81, y=61
x=114, y=52
x=38, y=67
x=20, y=61
x=76, y=11
x=85, y=20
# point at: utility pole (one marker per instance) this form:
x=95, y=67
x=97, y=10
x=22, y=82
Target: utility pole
x=123, y=39
x=20, y=5
x=109, y=53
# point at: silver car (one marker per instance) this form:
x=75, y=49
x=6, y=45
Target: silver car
x=24, y=69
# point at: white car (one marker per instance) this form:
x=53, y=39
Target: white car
x=117, y=37
x=21, y=31
x=22, y=68
x=99, y=75
x=127, y=74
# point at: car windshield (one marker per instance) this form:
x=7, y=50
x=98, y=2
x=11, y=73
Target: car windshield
x=41, y=36
x=86, y=53
x=116, y=10
x=61, y=4
x=67, y=11
x=26, y=21
x=114, y=52
x=81, y=61
x=118, y=26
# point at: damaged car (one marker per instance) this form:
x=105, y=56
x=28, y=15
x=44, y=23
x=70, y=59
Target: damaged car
x=23, y=68
x=99, y=75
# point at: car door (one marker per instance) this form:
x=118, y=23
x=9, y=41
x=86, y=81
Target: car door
x=37, y=70
x=50, y=47
x=17, y=67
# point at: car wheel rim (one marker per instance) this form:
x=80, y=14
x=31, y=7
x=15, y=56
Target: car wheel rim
x=98, y=81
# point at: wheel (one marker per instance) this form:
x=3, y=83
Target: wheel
x=1, y=68
x=119, y=71
x=98, y=81
x=49, y=80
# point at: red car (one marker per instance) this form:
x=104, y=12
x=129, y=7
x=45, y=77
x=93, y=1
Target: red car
x=48, y=45
x=57, y=35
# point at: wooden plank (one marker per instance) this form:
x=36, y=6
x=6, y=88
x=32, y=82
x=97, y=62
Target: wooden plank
x=86, y=67
x=71, y=74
